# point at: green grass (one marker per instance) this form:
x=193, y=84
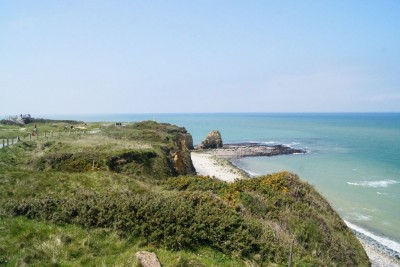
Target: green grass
x=58, y=129
x=33, y=243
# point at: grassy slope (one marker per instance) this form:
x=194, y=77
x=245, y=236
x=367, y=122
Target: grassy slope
x=97, y=199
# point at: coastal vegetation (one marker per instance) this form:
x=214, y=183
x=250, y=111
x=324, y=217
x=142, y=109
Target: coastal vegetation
x=99, y=197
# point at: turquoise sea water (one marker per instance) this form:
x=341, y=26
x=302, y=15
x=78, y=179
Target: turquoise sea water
x=352, y=159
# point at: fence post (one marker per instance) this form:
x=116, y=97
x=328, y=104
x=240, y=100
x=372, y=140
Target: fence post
x=291, y=253
x=8, y=141
x=3, y=142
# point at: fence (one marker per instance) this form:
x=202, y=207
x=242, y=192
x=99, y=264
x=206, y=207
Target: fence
x=46, y=136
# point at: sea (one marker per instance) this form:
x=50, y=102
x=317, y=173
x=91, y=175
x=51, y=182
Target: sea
x=352, y=159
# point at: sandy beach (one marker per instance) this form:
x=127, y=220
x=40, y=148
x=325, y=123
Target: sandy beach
x=208, y=163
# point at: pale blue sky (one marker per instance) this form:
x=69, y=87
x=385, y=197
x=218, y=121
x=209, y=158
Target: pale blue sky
x=83, y=57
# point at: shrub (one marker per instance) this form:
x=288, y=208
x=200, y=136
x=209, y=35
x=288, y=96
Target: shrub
x=195, y=183
x=186, y=220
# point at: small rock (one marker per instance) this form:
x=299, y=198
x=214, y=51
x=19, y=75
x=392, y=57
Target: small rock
x=147, y=259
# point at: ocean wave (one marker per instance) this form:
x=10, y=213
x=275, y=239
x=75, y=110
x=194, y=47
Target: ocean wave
x=380, y=193
x=252, y=174
x=374, y=184
x=387, y=245
x=268, y=143
x=359, y=217
x=306, y=152
x=291, y=144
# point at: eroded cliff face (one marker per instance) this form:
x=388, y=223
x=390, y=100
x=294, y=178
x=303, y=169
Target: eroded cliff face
x=181, y=159
x=188, y=141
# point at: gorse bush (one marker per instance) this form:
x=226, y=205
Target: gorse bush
x=288, y=207
x=253, y=219
x=195, y=183
x=182, y=221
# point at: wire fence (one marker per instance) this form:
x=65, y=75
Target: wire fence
x=6, y=142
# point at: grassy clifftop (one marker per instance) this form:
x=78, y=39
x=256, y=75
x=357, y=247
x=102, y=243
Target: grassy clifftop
x=96, y=199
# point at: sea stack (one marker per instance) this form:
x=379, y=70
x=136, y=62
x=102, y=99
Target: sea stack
x=213, y=140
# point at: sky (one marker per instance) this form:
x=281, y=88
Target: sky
x=101, y=57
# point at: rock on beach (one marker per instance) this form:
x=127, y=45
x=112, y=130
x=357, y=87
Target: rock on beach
x=212, y=140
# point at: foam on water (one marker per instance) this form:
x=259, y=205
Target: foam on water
x=374, y=184
x=292, y=144
x=268, y=143
x=359, y=217
x=252, y=174
x=380, y=193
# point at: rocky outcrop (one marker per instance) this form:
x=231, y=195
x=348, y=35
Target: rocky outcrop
x=213, y=140
x=240, y=150
x=147, y=259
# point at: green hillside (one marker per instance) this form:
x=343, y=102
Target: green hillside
x=96, y=198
